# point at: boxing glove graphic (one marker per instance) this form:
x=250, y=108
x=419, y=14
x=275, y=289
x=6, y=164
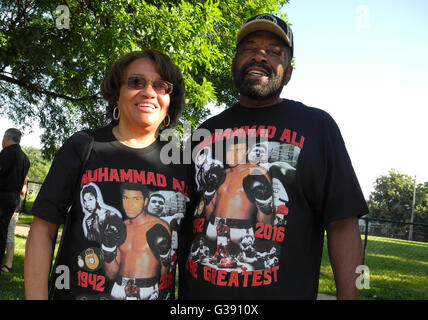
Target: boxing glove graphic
x=112, y=236
x=282, y=171
x=212, y=178
x=159, y=241
x=259, y=191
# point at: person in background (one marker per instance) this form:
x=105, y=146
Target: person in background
x=10, y=242
x=14, y=166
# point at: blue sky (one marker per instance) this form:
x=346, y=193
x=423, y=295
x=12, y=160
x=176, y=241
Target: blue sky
x=365, y=63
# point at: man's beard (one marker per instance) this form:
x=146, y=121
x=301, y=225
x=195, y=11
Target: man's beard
x=256, y=89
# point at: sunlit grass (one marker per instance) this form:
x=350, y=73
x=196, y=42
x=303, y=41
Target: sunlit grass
x=12, y=284
x=25, y=218
x=398, y=270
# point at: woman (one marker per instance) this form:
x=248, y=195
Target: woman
x=106, y=252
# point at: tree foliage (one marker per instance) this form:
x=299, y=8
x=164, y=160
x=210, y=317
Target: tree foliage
x=393, y=196
x=39, y=167
x=53, y=74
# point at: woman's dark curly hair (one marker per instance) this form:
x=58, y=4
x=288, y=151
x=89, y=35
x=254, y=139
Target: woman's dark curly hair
x=112, y=82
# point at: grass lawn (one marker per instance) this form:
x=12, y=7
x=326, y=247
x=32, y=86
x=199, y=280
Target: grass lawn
x=25, y=218
x=398, y=270
x=12, y=284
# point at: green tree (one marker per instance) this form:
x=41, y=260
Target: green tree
x=421, y=212
x=393, y=196
x=52, y=61
x=39, y=166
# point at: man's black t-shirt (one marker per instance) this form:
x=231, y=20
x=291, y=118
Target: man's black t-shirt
x=122, y=239
x=270, y=180
x=14, y=166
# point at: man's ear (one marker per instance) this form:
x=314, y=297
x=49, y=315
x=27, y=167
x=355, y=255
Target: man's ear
x=288, y=73
x=233, y=64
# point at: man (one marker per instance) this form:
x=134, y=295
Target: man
x=302, y=157
x=156, y=204
x=14, y=165
x=202, y=252
x=96, y=212
x=137, y=251
x=239, y=195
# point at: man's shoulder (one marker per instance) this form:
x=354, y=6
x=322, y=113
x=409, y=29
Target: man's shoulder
x=298, y=106
x=15, y=150
x=287, y=107
x=10, y=149
x=214, y=120
x=309, y=115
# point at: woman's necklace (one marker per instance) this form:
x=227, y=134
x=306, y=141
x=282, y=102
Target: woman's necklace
x=121, y=139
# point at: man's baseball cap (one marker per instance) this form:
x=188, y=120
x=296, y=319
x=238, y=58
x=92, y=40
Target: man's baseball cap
x=267, y=22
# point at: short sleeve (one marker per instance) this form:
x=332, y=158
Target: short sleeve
x=56, y=192
x=343, y=197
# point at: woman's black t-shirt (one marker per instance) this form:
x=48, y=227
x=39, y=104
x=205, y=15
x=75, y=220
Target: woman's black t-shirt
x=121, y=240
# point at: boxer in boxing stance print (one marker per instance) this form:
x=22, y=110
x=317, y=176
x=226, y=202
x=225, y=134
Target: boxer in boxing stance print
x=137, y=250
x=236, y=194
x=95, y=211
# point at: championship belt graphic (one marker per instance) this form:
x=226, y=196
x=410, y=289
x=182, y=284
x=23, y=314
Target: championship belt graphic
x=91, y=259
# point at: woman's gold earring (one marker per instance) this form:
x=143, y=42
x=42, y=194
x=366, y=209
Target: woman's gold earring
x=168, y=122
x=116, y=113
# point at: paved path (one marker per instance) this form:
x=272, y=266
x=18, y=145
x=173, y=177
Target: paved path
x=322, y=296
x=22, y=230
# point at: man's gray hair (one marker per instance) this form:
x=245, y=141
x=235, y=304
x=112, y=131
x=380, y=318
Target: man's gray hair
x=14, y=134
